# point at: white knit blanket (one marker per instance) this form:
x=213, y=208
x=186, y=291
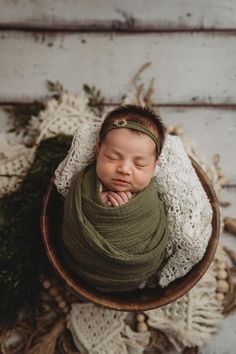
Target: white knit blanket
x=188, y=210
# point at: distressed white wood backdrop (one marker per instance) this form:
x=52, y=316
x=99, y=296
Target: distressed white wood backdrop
x=191, y=44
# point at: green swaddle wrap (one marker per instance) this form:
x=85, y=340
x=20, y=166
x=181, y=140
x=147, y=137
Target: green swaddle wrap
x=112, y=248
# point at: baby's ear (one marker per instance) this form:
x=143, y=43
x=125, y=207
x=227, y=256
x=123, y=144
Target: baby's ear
x=98, y=145
x=157, y=160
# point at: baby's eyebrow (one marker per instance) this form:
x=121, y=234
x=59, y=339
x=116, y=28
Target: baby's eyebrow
x=141, y=157
x=113, y=151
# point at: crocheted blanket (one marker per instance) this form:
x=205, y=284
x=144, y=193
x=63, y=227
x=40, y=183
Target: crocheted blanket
x=188, y=209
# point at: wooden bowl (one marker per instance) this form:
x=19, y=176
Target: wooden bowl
x=137, y=300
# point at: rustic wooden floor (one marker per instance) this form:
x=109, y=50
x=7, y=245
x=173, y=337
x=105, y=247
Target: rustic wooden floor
x=190, y=43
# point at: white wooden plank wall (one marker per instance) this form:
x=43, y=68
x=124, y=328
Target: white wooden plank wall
x=120, y=14
x=191, y=44
x=189, y=68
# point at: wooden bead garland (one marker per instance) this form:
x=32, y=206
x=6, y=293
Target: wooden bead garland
x=54, y=292
x=141, y=324
x=222, y=285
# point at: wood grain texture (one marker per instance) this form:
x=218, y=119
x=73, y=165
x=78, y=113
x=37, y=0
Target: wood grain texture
x=212, y=130
x=188, y=68
x=119, y=15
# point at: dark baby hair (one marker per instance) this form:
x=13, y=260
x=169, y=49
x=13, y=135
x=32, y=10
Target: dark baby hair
x=142, y=115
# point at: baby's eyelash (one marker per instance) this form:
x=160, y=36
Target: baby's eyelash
x=112, y=157
x=138, y=165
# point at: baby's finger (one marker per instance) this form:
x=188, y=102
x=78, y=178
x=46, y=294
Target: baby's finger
x=104, y=197
x=129, y=194
x=115, y=199
x=124, y=196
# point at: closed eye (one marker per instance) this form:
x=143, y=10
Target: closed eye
x=112, y=158
x=140, y=165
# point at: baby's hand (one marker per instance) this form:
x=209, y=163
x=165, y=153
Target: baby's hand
x=116, y=199
x=105, y=198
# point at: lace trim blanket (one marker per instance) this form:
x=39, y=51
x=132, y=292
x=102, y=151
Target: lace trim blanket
x=188, y=210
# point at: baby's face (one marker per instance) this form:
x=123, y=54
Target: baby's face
x=126, y=160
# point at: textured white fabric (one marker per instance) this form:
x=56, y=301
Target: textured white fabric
x=15, y=160
x=193, y=318
x=189, y=321
x=62, y=116
x=81, y=153
x=188, y=209
x=96, y=330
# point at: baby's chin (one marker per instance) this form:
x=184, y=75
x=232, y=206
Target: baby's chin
x=123, y=189
x=115, y=188
x=119, y=189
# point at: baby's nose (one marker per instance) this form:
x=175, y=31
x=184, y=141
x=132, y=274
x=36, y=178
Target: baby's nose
x=125, y=167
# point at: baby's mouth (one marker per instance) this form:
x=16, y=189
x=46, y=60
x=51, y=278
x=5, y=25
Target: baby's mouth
x=122, y=181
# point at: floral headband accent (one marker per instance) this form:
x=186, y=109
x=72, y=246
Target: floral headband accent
x=123, y=123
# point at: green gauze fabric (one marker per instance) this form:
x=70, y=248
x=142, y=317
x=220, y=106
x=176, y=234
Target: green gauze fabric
x=112, y=248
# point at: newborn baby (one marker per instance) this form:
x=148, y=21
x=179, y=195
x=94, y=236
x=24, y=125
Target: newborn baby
x=114, y=226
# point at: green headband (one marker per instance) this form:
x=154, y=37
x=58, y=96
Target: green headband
x=123, y=123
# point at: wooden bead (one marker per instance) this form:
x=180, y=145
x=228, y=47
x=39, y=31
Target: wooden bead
x=142, y=327
x=46, y=284
x=53, y=291
x=221, y=274
x=140, y=317
x=65, y=309
x=221, y=173
x=223, y=181
x=170, y=128
x=62, y=304
x=221, y=265
x=222, y=286
x=178, y=131
x=220, y=296
x=58, y=298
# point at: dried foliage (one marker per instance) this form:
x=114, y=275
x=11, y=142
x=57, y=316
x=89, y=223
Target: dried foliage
x=230, y=225
x=96, y=100
x=55, y=88
x=230, y=299
x=20, y=115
